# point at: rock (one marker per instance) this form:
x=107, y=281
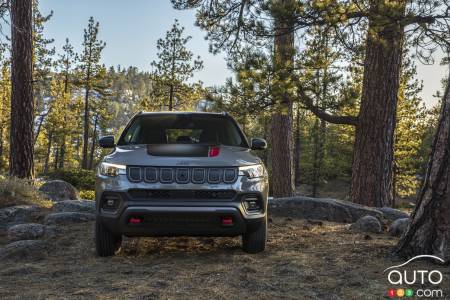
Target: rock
x=367, y=224
x=30, y=231
x=392, y=214
x=75, y=206
x=321, y=209
x=18, y=214
x=59, y=190
x=65, y=218
x=27, y=249
x=399, y=226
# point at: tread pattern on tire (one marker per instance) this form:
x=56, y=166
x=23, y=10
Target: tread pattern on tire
x=255, y=242
x=106, y=243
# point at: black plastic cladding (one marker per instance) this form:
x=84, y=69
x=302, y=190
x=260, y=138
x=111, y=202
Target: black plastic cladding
x=182, y=175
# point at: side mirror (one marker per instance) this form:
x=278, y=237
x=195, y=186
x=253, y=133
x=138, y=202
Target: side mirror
x=258, y=144
x=107, y=142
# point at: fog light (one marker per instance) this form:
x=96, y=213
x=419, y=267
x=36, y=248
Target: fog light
x=110, y=201
x=252, y=203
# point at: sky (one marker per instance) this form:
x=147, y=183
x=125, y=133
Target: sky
x=131, y=29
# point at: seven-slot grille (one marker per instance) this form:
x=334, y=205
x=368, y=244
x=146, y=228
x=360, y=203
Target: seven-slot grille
x=181, y=175
x=181, y=194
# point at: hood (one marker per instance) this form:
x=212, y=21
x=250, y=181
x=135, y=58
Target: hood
x=138, y=155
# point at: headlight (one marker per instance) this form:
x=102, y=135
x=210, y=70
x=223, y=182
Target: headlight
x=254, y=171
x=111, y=170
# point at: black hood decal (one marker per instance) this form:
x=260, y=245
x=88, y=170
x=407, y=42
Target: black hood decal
x=178, y=150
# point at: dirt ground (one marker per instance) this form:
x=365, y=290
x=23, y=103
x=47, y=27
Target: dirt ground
x=303, y=260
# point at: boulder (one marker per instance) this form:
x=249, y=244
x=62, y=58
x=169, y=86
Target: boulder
x=26, y=249
x=75, y=206
x=59, y=190
x=65, y=218
x=392, y=214
x=367, y=224
x=399, y=226
x=30, y=231
x=18, y=214
x=321, y=209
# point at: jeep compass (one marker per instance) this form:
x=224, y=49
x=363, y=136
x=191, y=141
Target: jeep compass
x=181, y=173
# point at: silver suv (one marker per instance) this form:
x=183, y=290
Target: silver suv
x=181, y=174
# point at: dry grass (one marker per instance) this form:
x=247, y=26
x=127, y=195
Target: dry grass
x=16, y=191
x=302, y=261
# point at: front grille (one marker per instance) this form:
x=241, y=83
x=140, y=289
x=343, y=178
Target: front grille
x=142, y=194
x=182, y=175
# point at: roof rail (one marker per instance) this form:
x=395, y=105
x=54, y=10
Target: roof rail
x=225, y=113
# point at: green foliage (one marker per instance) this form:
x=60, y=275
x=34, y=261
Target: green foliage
x=79, y=178
x=175, y=65
x=87, y=194
x=411, y=127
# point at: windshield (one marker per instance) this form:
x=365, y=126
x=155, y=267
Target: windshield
x=183, y=129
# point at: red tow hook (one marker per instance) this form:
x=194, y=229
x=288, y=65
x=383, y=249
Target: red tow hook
x=227, y=221
x=135, y=220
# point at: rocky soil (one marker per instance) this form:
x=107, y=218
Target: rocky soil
x=50, y=254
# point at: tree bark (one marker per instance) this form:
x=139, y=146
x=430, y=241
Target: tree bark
x=62, y=153
x=56, y=162
x=94, y=138
x=84, y=161
x=171, y=98
x=22, y=104
x=374, y=140
x=1, y=144
x=297, y=147
x=281, y=127
x=429, y=230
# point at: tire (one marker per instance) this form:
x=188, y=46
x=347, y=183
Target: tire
x=106, y=243
x=255, y=242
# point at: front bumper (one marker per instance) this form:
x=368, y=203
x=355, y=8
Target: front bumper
x=174, y=217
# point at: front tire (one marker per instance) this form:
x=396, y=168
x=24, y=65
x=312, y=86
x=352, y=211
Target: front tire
x=255, y=242
x=106, y=243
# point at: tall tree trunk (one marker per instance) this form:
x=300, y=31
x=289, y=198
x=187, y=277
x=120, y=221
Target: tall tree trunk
x=62, y=153
x=297, y=147
x=84, y=161
x=56, y=162
x=171, y=98
x=373, y=150
x=94, y=138
x=49, y=149
x=22, y=103
x=315, y=177
x=281, y=130
x=1, y=144
x=429, y=230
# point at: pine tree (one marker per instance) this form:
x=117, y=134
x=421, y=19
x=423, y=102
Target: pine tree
x=91, y=77
x=22, y=112
x=411, y=126
x=174, y=67
x=5, y=112
x=428, y=232
x=66, y=62
x=42, y=65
